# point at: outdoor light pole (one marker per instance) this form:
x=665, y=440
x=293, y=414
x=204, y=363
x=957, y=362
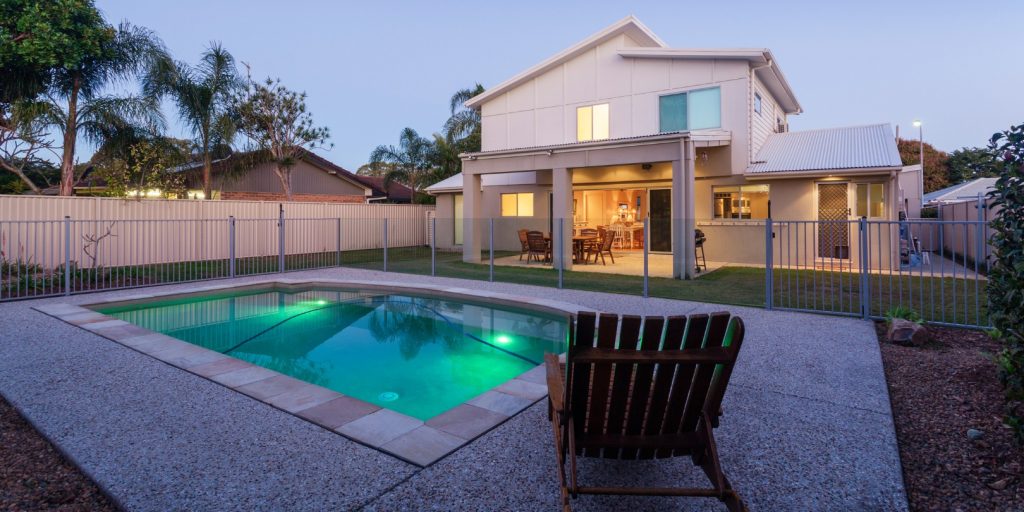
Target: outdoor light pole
x=920, y=139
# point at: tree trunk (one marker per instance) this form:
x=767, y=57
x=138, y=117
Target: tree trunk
x=67, y=164
x=285, y=175
x=207, y=175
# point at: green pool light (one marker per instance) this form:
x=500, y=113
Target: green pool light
x=501, y=338
x=321, y=302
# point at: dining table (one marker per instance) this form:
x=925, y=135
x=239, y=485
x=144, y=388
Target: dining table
x=579, y=246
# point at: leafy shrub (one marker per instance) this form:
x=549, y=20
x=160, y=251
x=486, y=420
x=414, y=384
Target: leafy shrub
x=903, y=313
x=1006, y=280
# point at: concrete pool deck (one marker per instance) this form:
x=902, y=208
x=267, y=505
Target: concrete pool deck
x=807, y=424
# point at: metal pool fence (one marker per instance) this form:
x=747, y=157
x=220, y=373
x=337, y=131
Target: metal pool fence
x=863, y=268
x=936, y=269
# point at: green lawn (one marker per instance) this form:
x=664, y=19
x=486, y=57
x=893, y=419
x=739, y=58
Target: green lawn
x=947, y=300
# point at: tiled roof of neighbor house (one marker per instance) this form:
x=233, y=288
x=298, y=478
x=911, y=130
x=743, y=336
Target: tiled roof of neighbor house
x=395, y=191
x=855, y=147
x=220, y=165
x=962, y=191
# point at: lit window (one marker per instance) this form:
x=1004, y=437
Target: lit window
x=871, y=200
x=757, y=103
x=592, y=122
x=517, y=205
x=693, y=110
x=741, y=202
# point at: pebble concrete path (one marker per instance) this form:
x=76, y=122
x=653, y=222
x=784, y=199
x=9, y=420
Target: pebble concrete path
x=807, y=424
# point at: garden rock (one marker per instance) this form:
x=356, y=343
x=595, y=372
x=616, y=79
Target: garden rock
x=907, y=333
x=974, y=434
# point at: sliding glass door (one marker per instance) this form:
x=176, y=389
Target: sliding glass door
x=660, y=208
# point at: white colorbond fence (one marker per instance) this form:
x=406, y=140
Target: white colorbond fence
x=51, y=246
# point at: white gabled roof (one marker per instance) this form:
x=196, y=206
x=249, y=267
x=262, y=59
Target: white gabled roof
x=965, y=191
x=851, y=148
x=628, y=25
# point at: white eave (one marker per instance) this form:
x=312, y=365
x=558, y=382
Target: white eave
x=628, y=25
x=767, y=68
x=701, y=138
x=454, y=183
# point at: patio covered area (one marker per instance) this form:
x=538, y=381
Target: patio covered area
x=582, y=193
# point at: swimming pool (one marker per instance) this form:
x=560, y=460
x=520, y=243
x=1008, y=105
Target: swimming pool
x=415, y=354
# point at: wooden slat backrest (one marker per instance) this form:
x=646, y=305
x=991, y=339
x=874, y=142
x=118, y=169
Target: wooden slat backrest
x=601, y=376
x=651, y=387
x=629, y=336
x=675, y=328
x=643, y=377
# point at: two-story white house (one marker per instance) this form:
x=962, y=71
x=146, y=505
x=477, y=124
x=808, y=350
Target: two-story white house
x=621, y=127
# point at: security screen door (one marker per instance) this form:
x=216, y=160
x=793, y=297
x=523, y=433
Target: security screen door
x=833, y=217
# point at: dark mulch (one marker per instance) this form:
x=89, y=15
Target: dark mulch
x=35, y=476
x=938, y=392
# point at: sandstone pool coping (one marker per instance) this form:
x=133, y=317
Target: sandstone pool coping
x=412, y=440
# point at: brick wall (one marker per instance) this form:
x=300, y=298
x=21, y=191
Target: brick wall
x=273, y=196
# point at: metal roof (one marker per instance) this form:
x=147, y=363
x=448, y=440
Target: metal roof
x=709, y=135
x=454, y=183
x=965, y=191
x=854, y=147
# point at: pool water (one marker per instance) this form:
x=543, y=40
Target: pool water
x=416, y=355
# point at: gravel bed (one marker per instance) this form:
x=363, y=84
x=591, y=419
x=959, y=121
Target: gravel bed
x=35, y=476
x=948, y=404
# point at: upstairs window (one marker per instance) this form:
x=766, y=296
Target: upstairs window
x=692, y=110
x=741, y=202
x=517, y=205
x=592, y=122
x=757, y=103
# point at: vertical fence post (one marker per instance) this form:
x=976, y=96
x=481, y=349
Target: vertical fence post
x=979, y=235
x=280, y=239
x=491, y=243
x=67, y=255
x=769, y=281
x=647, y=237
x=865, y=283
x=433, y=245
x=231, y=246
x=385, y=244
x=337, y=255
x=561, y=253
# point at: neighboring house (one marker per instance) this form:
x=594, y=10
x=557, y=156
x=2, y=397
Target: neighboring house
x=966, y=191
x=621, y=126
x=314, y=179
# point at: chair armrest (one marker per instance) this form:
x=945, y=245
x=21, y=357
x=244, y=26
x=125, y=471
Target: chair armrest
x=556, y=386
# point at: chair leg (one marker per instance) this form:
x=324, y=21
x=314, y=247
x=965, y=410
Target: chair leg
x=713, y=469
x=560, y=456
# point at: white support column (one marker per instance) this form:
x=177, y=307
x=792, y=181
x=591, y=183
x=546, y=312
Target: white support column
x=689, y=205
x=472, y=212
x=678, y=256
x=561, y=208
x=683, y=212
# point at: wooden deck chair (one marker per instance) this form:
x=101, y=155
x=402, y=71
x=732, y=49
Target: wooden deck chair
x=650, y=390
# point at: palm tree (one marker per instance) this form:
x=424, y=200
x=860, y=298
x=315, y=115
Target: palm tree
x=444, y=157
x=411, y=162
x=203, y=97
x=76, y=104
x=463, y=127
